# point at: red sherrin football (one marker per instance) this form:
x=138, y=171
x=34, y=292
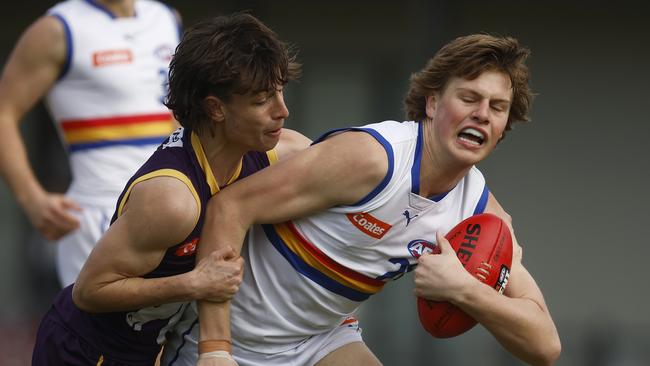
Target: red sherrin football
x=480, y=241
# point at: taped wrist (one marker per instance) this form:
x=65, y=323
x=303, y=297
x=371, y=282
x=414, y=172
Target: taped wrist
x=216, y=354
x=215, y=345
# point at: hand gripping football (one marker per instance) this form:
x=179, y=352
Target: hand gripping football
x=484, y=246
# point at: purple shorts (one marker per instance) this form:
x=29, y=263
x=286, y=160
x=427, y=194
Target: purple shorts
x=57, y=345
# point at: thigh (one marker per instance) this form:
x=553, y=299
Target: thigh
x=351, y=354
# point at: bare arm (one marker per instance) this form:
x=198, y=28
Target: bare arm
x=290, y=143
x=299, y=187
x=520, y=321
x=148, y=226
x=32, y=69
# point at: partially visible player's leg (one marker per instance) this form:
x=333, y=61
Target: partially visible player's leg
x=344, y=346
x=351, y=354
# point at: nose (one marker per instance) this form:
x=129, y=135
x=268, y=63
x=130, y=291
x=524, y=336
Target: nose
x=482, y=111
x=281, y=111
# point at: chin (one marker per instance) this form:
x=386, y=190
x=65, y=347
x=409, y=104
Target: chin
x=269, y=144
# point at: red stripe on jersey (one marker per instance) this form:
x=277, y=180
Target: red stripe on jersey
x=330, y=263
x=114, y=121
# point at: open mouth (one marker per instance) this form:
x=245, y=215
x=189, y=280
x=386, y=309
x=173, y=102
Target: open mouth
x=472, y=136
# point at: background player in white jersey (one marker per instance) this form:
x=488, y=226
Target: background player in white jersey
x=102, y=67
x=370, y=192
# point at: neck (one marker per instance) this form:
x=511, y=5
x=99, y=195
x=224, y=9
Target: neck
x=120, y=8
x=224, y=157
x=438, y=173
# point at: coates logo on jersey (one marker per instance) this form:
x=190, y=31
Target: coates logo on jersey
x=186, y=249
x=419, y=247
x=112, y=57
x=369, y=224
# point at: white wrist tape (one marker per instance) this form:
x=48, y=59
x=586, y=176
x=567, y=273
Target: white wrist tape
x=216, y=354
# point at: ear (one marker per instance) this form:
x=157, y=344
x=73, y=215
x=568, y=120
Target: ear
x=215, y=108
x=430, y=105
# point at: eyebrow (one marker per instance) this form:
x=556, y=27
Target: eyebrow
x=494, y=100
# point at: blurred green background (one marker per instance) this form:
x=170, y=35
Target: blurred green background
x=575, y=180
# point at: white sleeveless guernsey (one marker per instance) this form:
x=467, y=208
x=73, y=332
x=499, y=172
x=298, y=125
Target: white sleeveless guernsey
x=107, y=103
x=305, y=277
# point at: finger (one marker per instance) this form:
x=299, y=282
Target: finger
x=443, y=243
x=239, y=262
x=63, y=219
x=70, y=204
x=224, y=253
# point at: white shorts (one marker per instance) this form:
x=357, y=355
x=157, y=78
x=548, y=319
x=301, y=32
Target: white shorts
x=306, y=353
x=74, y=248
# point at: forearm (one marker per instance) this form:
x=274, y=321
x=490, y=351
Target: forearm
x=214, y=320
x=133, y=293
x=522, y=325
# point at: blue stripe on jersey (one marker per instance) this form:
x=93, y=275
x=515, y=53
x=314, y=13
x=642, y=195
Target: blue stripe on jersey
x=391, y=164
x=177, y=20
x=328, y=134
x=389, y=153
x=439, y=197
x=178, y=350
x=310, y=272
x=69, y=46
x=417, y=161
x=482, y=202
x=101, y=8
x=131, y=142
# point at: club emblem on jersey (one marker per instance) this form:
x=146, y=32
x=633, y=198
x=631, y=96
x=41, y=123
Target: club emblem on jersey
x=419, y=247
x=164, y=52
x=175, y=139
x=369, y=224
x=186, y=249
x=408, y=216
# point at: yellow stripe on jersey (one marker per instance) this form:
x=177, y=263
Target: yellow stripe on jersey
x=205, y=165
x=272, y=155
x=294, y=244
x=117, y=132
x=159, y=173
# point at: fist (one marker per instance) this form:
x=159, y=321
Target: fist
x=219, y=275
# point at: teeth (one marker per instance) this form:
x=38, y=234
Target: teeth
x=473, y=132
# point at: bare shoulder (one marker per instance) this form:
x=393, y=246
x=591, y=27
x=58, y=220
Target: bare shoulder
x=355, y=163
x=41, y=46
x=291, y=142
x=33, y=67
x=164, y=203
x=494, y=207
x=46, y=35
x=360, y=151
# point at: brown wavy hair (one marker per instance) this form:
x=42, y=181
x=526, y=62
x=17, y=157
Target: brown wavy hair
x=468, y=57
x=222, y=56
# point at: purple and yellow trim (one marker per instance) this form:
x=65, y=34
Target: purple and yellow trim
x=144, y=129
x=317, y=266
x=159, y=173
